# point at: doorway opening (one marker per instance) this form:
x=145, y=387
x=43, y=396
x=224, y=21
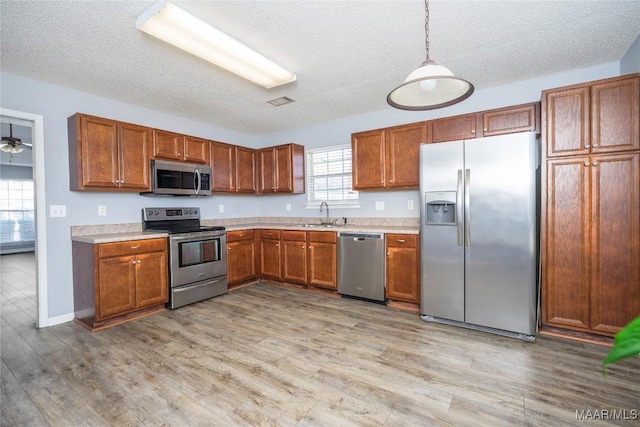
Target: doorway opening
x=22, y=202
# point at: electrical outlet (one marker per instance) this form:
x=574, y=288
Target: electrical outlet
x=57, y=210
x=288, y=207
x=221, y=208
x=410, y=205
x=102, y=210
x=379, y=206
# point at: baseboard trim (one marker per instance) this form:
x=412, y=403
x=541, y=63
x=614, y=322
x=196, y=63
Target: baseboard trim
x=60, y=319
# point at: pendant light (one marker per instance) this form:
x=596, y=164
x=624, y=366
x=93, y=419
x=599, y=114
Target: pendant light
x=431, y=86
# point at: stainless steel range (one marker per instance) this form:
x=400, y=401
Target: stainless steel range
x=197, y=254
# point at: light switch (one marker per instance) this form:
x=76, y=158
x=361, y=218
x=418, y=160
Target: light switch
x=57, y=210
x=102, y=210
x=288, y=207
x=221, y=208
x=410, y=205
x=379, y=206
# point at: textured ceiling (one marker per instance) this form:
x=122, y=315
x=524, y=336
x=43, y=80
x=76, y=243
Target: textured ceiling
x=348, y=55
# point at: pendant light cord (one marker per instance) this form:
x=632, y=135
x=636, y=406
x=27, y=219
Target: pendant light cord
x=426, y=26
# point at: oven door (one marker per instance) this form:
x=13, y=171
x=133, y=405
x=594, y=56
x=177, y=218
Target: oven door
x=197, y=256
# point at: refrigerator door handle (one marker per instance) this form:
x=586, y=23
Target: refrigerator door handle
x=459, y=208
x=467, y=214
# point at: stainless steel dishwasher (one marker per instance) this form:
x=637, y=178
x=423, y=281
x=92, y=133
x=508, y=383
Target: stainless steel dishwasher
x=361, y=265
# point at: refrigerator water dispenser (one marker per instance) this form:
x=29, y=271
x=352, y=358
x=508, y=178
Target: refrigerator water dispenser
x=440, y=207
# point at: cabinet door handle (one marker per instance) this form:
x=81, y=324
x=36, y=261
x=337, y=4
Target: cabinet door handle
x=485, y=129
x=595, y=163
x=309, y=247
x=178, y=154
x=240, y=235
x=388, y=253
x=400, y=240
x=595, y=145
x=277, y=245
x=473, y=131
x=303, y=246
x=139, y=262
x=587, y=146
x=135, y=247
x=133, y=262
x=586, y=164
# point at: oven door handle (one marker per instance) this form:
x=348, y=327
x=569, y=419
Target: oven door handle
x=196, y=237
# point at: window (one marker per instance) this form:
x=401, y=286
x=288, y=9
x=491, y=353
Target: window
x=329, y=176
x=16, y=211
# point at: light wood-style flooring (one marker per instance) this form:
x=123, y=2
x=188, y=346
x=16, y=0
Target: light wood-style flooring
x=268, y=355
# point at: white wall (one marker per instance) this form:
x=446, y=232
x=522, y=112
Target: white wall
x=56, y=103
x=630, y=62
x=339, y=132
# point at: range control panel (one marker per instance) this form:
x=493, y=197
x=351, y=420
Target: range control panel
x=158, y=214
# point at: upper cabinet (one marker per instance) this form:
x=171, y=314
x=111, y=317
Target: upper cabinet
x=454, y=128
x=281, y=169
x=108, y=155
x=177, y=147
x=233, y=168
x=402, y=153
x=388, y=158
x=597, y=117
x=521, y=118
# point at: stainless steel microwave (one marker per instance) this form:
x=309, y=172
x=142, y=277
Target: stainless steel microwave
x=180, y=179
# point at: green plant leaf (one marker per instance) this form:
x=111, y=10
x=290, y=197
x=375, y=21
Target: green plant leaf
x=626, y=344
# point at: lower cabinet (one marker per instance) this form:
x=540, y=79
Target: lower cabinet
x=241, y=255
x=310, y=258
x=270, y=254
x=115, y=282
x=322, y=259
x=403, y=267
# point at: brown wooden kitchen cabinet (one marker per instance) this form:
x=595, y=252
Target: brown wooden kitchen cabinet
x=270, y=254
x=388, y=158
x=281, y=169
x=107, y=155
x=591, y=118
x=520, y=118
x=233, y=168
x=116, y=282
x=241, y=256
x=322, y=259
x=403, y=267
x=591, y=246
x=454, y=128
x=310, y=258
x=294, y=256
x=177, y=147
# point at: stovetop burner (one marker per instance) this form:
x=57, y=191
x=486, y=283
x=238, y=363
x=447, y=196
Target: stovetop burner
x=175, y=220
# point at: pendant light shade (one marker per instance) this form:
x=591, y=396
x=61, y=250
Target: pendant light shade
x=431, y=86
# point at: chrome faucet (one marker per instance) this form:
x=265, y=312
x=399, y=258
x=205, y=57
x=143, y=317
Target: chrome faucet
x=327, y=221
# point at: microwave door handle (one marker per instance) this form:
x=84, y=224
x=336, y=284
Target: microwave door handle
x=197, y=178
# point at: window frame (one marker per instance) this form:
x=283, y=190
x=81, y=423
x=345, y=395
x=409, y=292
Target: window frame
x=315, y=204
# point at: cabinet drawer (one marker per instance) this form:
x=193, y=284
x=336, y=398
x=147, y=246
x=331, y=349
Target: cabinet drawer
x=238, y=235
x=270, y=234
x=131, y=247
x=322, y=236
x=298, y=236
x=402, y=240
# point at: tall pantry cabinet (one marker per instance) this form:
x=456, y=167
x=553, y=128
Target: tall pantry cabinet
x=591, y=205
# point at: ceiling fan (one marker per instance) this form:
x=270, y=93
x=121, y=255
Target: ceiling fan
x=13, y=145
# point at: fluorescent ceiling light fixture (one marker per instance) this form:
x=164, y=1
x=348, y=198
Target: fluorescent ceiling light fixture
x=173, y=25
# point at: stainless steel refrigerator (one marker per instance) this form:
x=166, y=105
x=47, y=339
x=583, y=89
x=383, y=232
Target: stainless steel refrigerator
x=479, y=236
